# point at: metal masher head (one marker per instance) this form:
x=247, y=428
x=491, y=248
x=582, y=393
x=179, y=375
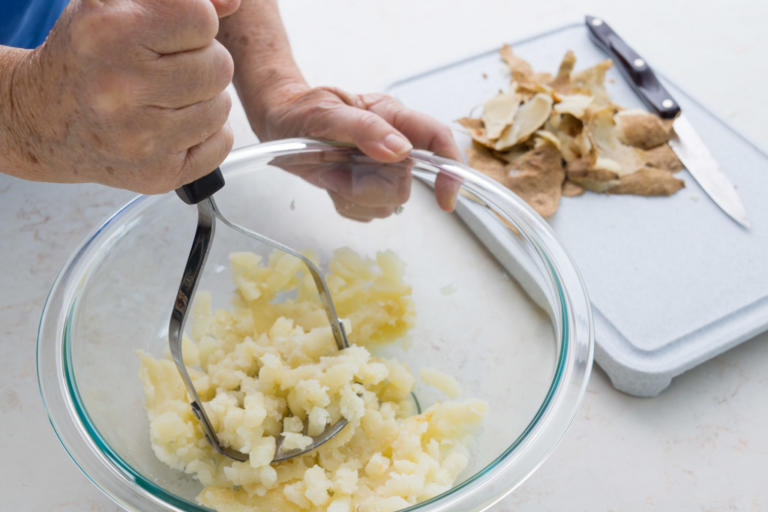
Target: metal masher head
x=200, y=193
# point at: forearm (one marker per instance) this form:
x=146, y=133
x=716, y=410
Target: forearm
x=265, y=71
x=17, y=156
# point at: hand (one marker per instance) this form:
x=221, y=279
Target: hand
x=380, y=127
x=360, y=188
x=129, y=94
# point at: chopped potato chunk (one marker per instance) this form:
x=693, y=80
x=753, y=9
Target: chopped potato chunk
x=269, y=368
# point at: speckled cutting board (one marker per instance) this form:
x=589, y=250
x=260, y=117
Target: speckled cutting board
x=673, y=281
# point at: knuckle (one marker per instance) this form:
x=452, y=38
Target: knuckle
x=96, y=30
x=89, y=31
x=228, y=142
x=223, y=107
x=214, y=71
x=203, y=16
x=185, y=19
x=324, y=107
x=148, y=146
x=141, y=152
x=369, y=121
x=223, y=65
x=108, y=95
x=318, y=120
x=377, y=98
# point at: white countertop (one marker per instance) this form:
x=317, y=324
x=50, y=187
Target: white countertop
x=700, y=446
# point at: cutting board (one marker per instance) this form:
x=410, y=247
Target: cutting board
x=673, y=281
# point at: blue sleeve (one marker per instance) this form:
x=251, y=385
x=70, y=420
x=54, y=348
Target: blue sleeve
x=26, y=23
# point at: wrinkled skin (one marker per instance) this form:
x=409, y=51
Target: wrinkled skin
x=369, y=121
x=128, y=94
x=131, y=94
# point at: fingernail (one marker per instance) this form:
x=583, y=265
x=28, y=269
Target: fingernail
x=397, y=144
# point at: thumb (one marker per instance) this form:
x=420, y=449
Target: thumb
x=369, y=132
x=225, y=8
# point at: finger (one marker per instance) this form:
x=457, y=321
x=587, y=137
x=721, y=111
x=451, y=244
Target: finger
x=359, y=212
x=369, y=132
x=359, y=180
x=194, y=124
x=423, y=131
x=225, y=8
x=447, y=188
x=186, y=78
x=171, y=26
x=206, y=156
x=312, y=166
x=375, y=186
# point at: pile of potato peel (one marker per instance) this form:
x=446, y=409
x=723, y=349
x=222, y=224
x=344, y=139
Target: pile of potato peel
x=548, y=136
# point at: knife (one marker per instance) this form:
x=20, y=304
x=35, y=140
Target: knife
x=685, y=142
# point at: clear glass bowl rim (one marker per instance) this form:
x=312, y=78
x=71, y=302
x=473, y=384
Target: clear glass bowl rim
x=129, y=489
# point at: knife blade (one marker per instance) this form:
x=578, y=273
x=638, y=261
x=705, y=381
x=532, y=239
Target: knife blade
x=699, y=161
x=685, y=142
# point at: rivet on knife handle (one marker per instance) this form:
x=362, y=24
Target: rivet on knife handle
x=639, y=74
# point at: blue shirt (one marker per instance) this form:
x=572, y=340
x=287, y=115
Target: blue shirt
x=26, y=23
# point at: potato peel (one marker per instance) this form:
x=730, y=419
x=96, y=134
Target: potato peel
x=592, y=81
x=574, y=104
x=476, y=130
x=548, y=137
x=519, y=68
x=663, y=157
x=642, y=129
x=562, y=82
x=582, y=173
x=569, y=132
x=499, y=112
x=528, y=118
x=481, y=159
x=605, y=137
x=648, y=181
x=537, y=177
x=571, y=189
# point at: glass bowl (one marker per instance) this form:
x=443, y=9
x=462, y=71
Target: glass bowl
x=499, y=306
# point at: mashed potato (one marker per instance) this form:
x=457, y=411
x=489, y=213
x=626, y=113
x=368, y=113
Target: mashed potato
x=270, y=367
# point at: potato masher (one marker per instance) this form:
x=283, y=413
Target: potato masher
x=200, y=192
